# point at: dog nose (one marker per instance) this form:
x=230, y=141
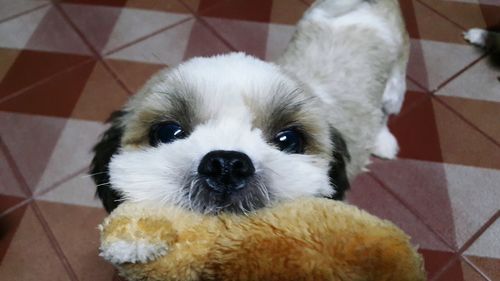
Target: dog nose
x=226, y=171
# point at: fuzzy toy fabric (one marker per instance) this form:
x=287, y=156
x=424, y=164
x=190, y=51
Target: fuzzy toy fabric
x=306, y=239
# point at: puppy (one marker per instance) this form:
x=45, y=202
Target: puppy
x=488, y=40
x=234, y=133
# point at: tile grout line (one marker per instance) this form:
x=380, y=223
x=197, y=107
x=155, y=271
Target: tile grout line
x=53, y=241
x=305, y=2
x=55, y=245
x=145, y=37
x=15, y=207
x=412, y=211
x=59, y=183
x=44, y=80
x=408, y=110
x=207, y=25
x=15, y=169
x=424, y=91
x=479, y=232
x=417, y=84
x=92, y=49
x=458, y=253
x=477, y=269
x=446, y=267
x=465, y=120
x=24, y=13
x=460, y=72
x=441, y=15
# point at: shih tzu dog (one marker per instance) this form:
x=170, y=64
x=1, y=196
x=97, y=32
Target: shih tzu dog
x=483, y=38
x=488, y=40
x=234, y=133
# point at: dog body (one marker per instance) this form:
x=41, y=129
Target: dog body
x=353, y=56
x=234, y=133
x=488, y=40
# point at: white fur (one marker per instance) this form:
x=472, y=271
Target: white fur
x=138, y=251
x=386, y=145
x=348, y=58
x=395, y=89
x=158, y=173
x=361, y=16
x=476, y=36
x=356, y=63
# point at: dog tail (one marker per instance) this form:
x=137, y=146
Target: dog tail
x=338, y=7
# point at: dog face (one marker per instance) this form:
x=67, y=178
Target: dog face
x=227, y=133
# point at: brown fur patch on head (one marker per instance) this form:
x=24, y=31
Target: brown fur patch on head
x=178, y=106
x=290, y=109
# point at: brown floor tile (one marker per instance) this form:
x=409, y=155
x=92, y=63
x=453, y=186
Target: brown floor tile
x=417, y=133
x=9, y=223
x=479, y=82
x=246, y=36
x=54, y=34
x=490, y=14
x=482, y=114
x=55, y=97
x=366, y=193
x=423, y=23
x=202, y=42
x=412, y=99
x=460, y=271
x=78, y=238
x=30, y=255
x=429, y=132
x=30, y=140
x=165, y=48
x=101, y=95
x=71, y=155
x=247, y=10
x=171, y=6
x=192, y=4
x=422, y=186
x=433, y=63
x=113, y=3
x=95, y=22
x=7, y=59
x=30, y=67
x=467, y=15
x=461, y=143
x=133, y=74
x=9, y=181
x=13, y=8
x=489, y=266
x=8, y=201
x=287, y=11
x=434, y=261
x=484, y=253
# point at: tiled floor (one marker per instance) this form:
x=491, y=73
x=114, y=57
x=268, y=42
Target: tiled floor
x=65, y=65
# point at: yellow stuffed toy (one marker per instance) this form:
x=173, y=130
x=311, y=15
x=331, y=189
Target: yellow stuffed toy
x=306, y=239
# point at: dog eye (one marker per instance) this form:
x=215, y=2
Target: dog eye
x=165, y=133
x=290, y=141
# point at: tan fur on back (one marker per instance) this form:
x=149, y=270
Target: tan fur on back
x=307, y=239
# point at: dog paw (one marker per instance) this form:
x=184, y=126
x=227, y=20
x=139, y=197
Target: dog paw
x=476, y=36
x=119, y=252
x=386, y=145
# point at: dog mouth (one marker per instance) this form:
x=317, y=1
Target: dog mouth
x=204, y=198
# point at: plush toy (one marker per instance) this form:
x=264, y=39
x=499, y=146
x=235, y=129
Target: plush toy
x=306, y=239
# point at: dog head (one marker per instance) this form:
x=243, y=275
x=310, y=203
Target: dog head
x=226, y=133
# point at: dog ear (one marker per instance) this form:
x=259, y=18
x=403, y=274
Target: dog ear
x=99, y=170
x=338, y=173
